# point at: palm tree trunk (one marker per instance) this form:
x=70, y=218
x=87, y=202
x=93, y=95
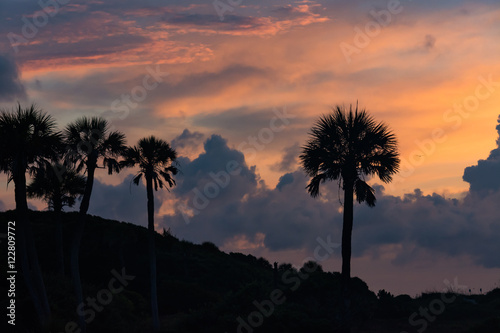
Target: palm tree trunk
x=29, y=258
x=346, y=254
x=152, y=253
x=59, y=241
x=57, y=205
x=77, y=240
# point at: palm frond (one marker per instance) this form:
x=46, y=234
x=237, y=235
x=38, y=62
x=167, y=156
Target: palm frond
x=137, y=178
x=347, y=144
x=155, y=159
x=364, y=192
x=313, y=186
x=89, y=139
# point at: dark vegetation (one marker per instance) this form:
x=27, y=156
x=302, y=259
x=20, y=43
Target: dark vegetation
x=201, y=289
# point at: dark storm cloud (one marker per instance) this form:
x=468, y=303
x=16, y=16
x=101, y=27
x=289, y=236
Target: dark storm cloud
x=485, y=176
x=11, y=87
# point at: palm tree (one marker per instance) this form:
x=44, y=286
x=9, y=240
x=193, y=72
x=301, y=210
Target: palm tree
x=89, y=141
x=347, y=146
x=27, y=136
x=59, y=186
x=154, y=158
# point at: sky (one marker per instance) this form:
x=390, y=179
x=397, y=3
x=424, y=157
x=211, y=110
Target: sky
x=235, y=86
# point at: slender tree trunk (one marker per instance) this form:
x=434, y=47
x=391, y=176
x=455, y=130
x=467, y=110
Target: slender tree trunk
x=27, y=252
x=152, y=253
x=57, y=205
x=77, y=240
x=59, y=240
x=346, y=255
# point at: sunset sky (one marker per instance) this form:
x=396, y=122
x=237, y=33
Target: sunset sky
x=242, y=82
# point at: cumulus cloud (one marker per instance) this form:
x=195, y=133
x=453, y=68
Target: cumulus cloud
x=485, y=176
x=220, y=198
x=433, y=223
x=223, y=209
x=11, y=87
x=187, y=139
x=188, y=144
x=217, y=205
x=216, y=158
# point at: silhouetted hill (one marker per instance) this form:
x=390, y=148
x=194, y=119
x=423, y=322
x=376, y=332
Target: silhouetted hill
x=201, y=289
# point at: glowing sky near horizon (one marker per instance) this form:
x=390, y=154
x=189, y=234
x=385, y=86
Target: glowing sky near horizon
x=429, y=70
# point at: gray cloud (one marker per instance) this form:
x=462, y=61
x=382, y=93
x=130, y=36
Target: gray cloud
x=485, y=176
x=289, y=218
x=240, y=204
x=430, y=222
x=11, y=87
x=289, y=159
x=187, y=139
x=214, y=159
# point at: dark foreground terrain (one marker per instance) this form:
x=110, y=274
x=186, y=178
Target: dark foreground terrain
x=201, y=289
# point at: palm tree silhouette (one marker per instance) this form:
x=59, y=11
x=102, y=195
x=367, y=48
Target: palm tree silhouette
x=27, y=137
x=347, y=146
x=154, y=158
x=89, y=140
x=59, y=186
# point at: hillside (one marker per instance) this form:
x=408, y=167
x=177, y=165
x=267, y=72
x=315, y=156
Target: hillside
x=201, y=289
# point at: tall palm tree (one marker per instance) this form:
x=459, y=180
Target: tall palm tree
x=154, y=158
x=346, y=146
x=59, y=186
x=27, y=136
x=89, y=141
